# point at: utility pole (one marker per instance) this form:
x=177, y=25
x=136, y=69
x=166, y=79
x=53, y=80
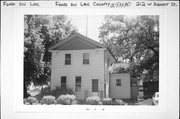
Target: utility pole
x=86, y=25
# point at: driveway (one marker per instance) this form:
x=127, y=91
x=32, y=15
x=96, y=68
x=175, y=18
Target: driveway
x=146, y=102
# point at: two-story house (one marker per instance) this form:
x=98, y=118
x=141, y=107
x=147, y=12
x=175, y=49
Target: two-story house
x=81, y=64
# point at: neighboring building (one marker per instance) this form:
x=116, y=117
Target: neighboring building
x=120, y=85
x=82, y=64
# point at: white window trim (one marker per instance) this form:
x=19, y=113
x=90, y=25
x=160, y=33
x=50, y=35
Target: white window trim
x=63, y=83
x=83, y=58
x=65, y=58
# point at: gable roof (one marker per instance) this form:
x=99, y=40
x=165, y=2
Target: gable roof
x=75, y=38
x=78, y=37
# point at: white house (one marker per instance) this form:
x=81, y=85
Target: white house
x=82, y=64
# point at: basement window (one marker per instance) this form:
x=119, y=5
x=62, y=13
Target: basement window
x=118, y=82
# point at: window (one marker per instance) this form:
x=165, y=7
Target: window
x=85, y=58
x=63, y=82
x=118, y=82
x=67, y=59
x=133, y=84
x=94, y=85
x=78, y=84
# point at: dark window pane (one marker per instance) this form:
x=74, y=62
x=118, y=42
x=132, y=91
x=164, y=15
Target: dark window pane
x=85, y=58
x=67, y=62
x=85, y=61
x=118, y=82
x=67, y=59
x=78, y=79
x=63, y=79
x=94, y=85
x=78, y=84
x=68, y=56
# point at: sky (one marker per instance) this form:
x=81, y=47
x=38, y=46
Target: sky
x=87, y=23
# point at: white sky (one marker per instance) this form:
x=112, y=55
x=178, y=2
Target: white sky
x=94, y=22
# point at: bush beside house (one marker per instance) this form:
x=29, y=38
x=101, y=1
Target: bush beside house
x=93, y=100
x=49, y=99
x=56, y=92
x=107, y=101
x=30, y=101
x=66, y=96
x=66, y=99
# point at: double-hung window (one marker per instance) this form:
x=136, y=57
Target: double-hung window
x=67, y=59
x=78, y=84
x=85, y=58
x=63, y=81
x=118, y=82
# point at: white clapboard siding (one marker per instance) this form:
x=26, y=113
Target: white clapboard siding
x=122, y=91
x=93, y=70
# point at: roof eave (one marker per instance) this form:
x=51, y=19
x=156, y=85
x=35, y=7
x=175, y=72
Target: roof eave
x=74, y=35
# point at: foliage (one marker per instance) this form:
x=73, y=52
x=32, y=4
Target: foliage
x=94, y=100
x=118, y=102
x=66, y=99
x=41, y=32
x=135, y=40
x=110, y=101
x=121, y=70
x=107, y=101
x=49, y=99
x=30, y=100
x=56, y=92
x=45, y=90
x=61, y=91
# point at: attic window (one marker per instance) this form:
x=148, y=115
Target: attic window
x=67, y=59
x=85, y=58
x=118, y=82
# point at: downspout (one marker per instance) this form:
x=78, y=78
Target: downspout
x=104, y=77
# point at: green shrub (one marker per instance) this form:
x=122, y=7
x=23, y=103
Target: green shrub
x=66, y=99
x=107, y=101
x=49, y=99
x=93, y=100
x=30, y=100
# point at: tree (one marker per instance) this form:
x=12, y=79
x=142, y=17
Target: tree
x=134, y=39
x=41, y=32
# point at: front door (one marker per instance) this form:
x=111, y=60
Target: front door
x=95, y=85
